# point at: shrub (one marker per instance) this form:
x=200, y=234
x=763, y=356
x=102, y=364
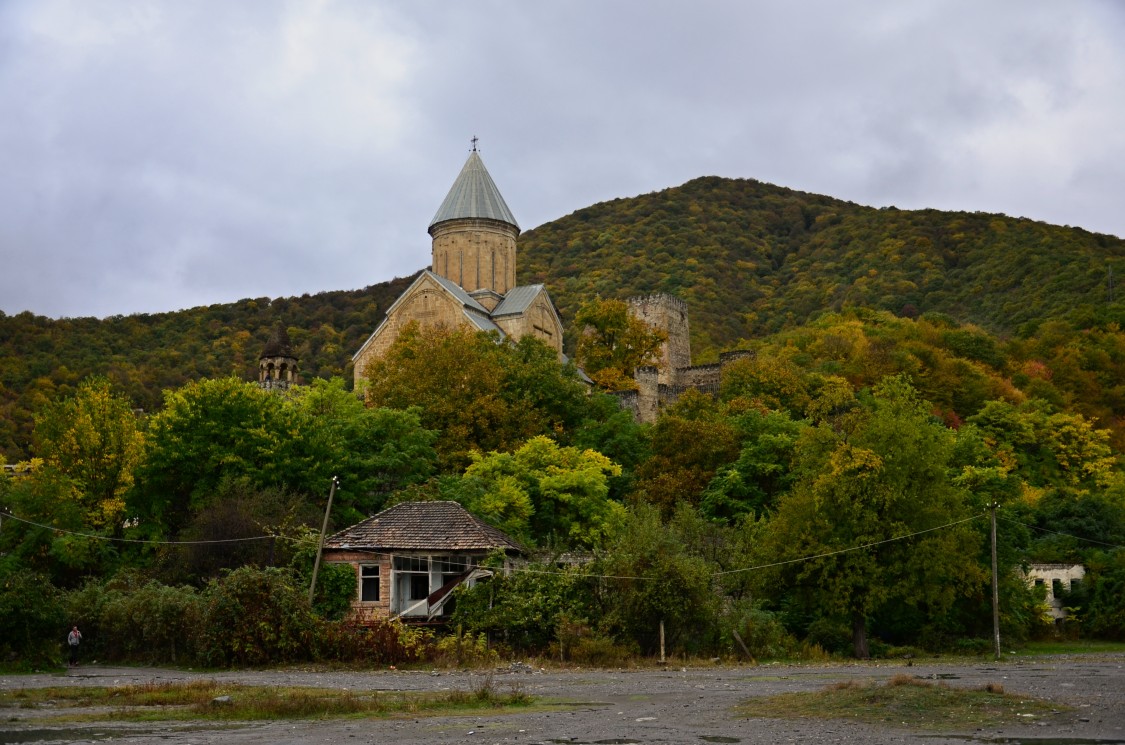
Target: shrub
x=830, y=635
x=256, y=617
x=464, y=650
x=33, y=622
x=335, y=582
x=156, y=623
x=760, y=630
x=371, y=642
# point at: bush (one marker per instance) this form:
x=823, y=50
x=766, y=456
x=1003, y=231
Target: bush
x=464, y=650
x=830, y=635
x=523, y=609
x=256, y=617
x=371, y=642
x=155, y=623
x=335, y=582
x=33, y=622
x=973, y=646
x=760, y=630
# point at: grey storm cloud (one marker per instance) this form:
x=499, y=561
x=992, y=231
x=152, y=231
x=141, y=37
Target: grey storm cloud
x=156, y=156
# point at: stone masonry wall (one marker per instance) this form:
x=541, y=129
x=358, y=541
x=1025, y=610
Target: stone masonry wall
x=669, y=314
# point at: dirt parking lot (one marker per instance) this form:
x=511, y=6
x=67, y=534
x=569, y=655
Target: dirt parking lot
x=616, y=707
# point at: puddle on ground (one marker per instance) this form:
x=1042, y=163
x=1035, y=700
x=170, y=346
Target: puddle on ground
x=718, y=738
x=89, y=734
x=94, y=734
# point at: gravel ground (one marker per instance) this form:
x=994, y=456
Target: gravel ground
x=616, y=707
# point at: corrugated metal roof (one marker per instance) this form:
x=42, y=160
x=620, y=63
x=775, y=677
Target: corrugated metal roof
x=435, y=526
x=516, y=300
x=474, y=195
x=484, y=323
x=457, y=291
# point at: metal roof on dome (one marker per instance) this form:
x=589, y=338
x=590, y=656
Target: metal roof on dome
x=474, y=195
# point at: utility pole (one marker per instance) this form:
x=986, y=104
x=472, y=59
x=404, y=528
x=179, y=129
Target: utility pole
x=324, y=528
x=995, y=591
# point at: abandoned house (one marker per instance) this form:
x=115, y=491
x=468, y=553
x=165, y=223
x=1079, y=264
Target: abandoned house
x=1058, y=580
x=409, y=558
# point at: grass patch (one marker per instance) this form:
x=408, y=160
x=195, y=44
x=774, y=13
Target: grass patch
x=906, y=701
x=1063, y=646
x=197, y=700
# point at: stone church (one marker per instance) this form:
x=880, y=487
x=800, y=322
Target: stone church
x=471, y=282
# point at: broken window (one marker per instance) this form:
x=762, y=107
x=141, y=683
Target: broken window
x=368, y=583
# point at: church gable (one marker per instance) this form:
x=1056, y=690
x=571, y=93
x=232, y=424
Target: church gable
x=528, y=310
x=431, y=301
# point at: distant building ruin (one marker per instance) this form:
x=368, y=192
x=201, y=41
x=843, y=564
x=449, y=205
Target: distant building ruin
x=661, y=385
x=1057, y=579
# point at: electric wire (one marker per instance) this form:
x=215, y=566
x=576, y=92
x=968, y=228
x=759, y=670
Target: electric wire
x=848, y=550
x=10, y=516
x=1055, y=532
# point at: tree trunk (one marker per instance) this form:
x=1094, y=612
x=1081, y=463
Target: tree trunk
x=859, y=635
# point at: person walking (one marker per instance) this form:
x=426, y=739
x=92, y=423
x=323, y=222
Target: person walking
x=73, y=639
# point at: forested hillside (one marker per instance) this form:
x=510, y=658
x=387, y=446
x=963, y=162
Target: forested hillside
x=749, y=258
x=752, y=258
x=908, y=372
x=42, y=359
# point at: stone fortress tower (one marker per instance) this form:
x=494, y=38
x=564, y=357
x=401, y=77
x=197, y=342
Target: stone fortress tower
x=471, y=281
x=277, y=365
x=661, y=385
x=669, y=314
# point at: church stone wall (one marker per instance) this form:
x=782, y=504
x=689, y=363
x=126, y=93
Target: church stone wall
x=538, y=320
x=476, y=254
x=429, y=305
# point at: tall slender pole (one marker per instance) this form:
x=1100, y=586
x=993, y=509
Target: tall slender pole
x=995, y=591
x=320, y=543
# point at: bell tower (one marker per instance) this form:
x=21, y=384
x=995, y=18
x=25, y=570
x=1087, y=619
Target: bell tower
x=474, y=233
x=277, y=365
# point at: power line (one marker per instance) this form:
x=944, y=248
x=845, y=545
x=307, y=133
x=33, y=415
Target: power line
x=94, y=536
x=847, y=550
x=1067, y=535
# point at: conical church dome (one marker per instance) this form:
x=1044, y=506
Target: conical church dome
x=474, y=196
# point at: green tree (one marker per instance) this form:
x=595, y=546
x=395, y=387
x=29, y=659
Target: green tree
x=93, y=440
x=373, y=451
x=690, y=442
x=1046, y=446
x=885, y=479
x=61, y=543
x=764, y=469
x=612, y=343
x=478, y=394
x=542, y=492
x=652, y=577
x=211, y=431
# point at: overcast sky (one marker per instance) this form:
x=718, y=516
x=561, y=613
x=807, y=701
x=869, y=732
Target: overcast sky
x=159, y=155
